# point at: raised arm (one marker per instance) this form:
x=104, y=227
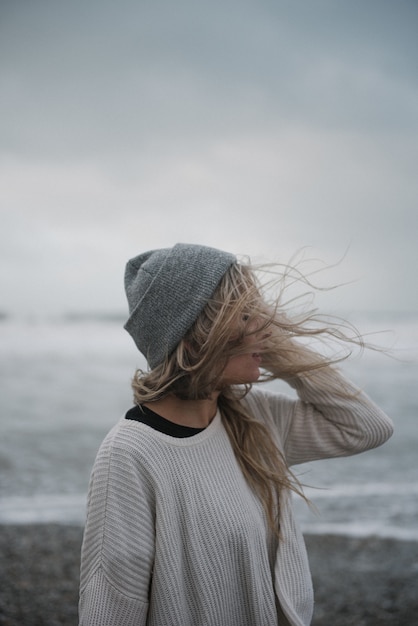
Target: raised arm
x=331, y=418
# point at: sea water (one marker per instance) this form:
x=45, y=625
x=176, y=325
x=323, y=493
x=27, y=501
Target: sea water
x=64, y=382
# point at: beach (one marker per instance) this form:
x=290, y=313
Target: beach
x=366, y=581
x=62, y=387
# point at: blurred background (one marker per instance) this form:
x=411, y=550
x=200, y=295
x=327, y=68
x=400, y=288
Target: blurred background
x=261, y=128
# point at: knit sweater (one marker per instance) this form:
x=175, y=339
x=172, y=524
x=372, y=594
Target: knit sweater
x=175, y=536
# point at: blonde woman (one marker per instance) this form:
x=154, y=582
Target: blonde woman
x=190, y=518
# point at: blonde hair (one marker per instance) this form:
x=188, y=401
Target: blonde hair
x=194, y=370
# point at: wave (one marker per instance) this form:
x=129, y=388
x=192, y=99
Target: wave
x=70, y=509
x=362, y=490
x=42, y=509
x=361, y=530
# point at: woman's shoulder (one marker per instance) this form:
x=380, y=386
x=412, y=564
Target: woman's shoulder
x=269, y=405
x=128, y=440
x=266, y=396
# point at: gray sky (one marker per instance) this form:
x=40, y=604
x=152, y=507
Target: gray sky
x=260, y=127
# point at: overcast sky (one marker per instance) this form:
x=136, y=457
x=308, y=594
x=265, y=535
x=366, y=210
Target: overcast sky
x=256, y=126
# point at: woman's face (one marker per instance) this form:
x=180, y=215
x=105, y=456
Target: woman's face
x=244, y=368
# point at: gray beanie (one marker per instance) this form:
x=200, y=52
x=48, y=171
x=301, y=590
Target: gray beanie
x=167, y=289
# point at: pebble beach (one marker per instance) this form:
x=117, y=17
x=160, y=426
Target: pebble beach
x=358, y=581
x=361, y=576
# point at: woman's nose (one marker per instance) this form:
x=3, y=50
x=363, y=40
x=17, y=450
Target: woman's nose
x=263, y=333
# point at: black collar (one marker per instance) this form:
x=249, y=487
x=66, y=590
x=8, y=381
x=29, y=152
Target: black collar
x=147, y=416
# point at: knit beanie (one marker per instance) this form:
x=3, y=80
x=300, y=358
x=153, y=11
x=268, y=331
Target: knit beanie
x=167, y=289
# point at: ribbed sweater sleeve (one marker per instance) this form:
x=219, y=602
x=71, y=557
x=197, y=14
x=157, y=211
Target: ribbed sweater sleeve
x=118, y=544
x=331, y=418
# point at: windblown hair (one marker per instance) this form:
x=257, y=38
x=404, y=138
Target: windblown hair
x=240, y=307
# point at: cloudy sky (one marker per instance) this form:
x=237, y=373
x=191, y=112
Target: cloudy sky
x=257, y=126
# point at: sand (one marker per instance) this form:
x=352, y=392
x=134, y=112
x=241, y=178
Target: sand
x=358, y=582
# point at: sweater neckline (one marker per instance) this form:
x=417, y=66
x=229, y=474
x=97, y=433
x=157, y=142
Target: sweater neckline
x=141, y=413
x=183, y=442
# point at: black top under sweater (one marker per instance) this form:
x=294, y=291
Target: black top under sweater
x=147, y=416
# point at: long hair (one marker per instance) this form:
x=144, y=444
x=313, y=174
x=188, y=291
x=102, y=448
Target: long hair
x=241, y=306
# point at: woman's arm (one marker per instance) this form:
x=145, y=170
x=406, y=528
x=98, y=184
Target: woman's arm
x=118, y=545
x=331, y=418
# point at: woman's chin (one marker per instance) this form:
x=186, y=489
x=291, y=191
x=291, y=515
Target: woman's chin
x=245, y=379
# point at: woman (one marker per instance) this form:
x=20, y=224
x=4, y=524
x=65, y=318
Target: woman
x=190, y=518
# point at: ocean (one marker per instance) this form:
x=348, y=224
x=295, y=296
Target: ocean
x=64, y=382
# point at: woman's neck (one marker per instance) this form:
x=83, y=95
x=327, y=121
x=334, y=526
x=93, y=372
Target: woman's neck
x=193, y=413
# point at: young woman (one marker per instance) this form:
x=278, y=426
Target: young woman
x=190, y=518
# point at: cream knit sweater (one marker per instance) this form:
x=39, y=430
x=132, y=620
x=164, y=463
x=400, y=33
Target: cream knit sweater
x=175, y=537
